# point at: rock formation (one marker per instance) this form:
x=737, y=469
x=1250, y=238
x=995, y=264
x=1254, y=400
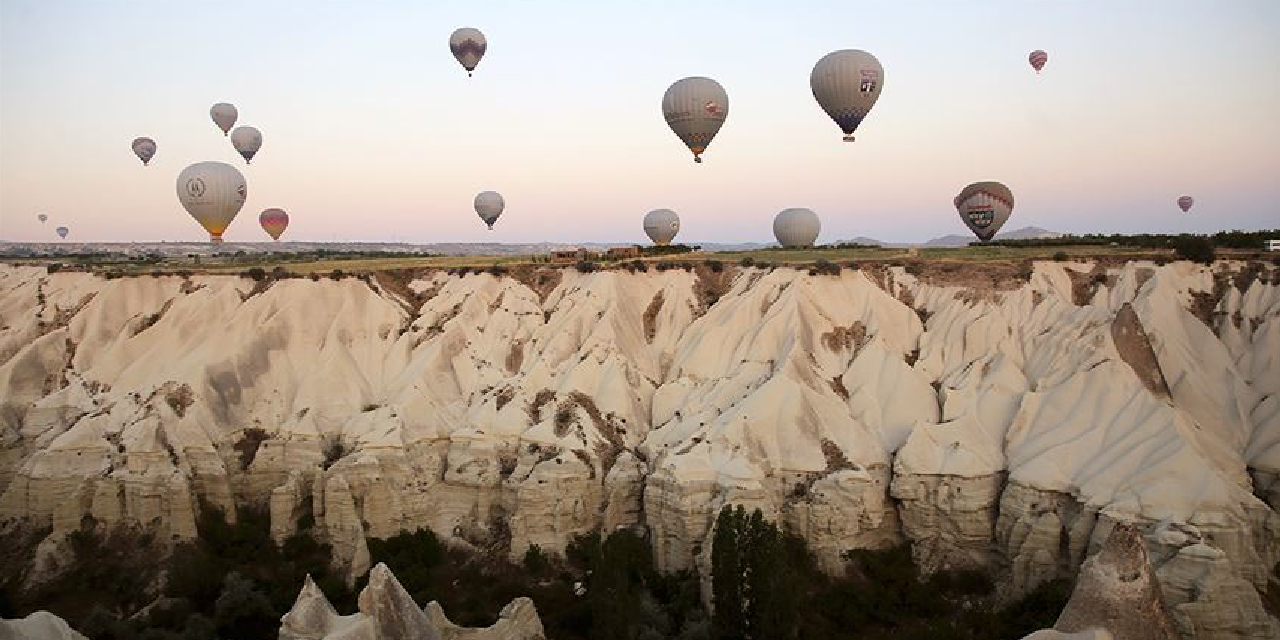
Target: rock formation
x=387, y=612
x=989, y=419
x=40, y=625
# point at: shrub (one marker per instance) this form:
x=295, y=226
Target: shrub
x=257, y=274
x=715, y=265
x=748, y=261
x=337, y=274
x=53, y=267
x=1060, y=256
x=1194, y=248
x=535, y=560
x=585, y=266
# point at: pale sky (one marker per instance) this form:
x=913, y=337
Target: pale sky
x=373, y=132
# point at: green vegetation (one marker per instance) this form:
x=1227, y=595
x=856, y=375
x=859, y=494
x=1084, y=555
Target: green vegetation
x=1247, y=240
x=1194, y=248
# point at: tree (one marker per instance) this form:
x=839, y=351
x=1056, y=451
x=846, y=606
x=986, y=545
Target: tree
x=1194, y=248
x=728, y=618
x=754, y=580
x=242, y=611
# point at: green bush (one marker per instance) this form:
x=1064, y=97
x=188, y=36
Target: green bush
x=1060, y=256
x=1194, y=248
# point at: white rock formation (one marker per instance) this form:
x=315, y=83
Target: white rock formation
x=40, y=625
x=991, y=422
x=387, y=612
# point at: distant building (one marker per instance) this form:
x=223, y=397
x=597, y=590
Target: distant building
x=619, y=253
x=1273, y=245
x=573, y=256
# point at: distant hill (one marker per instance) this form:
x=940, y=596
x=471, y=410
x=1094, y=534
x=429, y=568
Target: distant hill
x=956, y=240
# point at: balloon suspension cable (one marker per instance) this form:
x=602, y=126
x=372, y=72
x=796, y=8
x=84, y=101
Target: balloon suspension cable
x=848, y=138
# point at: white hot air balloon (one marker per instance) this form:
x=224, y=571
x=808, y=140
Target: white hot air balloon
x=468, y=46
x=846, y=84
x=212, y=192
x=247, y=141
x=695, y=108
x=796, y=227
x=145, y=149
x=661, y=225
x=224, y=115
x=489, y=205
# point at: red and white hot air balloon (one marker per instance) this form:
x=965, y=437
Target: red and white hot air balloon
x=1185, y=203
x=274, y=222
x=1037, y=59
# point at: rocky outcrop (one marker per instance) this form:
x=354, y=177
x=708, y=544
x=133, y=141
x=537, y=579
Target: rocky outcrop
x=995, y=423
x=387, y=612
x=40, y=625
x=1116, y=595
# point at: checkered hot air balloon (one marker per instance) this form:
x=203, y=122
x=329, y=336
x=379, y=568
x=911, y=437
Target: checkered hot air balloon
x=1037, y=59
x=846, y=85
x=468, y=46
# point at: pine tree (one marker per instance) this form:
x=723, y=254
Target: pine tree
x=727, y=620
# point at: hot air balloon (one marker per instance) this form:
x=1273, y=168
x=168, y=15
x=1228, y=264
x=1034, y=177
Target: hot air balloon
x=247, y=141
x=224, y=115
x=489, y=205
x=661, y=225
x=212, y=192
x=796, y=227
x=984, y=207
x=62, y=232
x=695, y=109
x=1185, y=203
x=42, y=217
x=1037, y=59
x=145, y=149
x=274, y=222
x=846, y=84
x=468, y=46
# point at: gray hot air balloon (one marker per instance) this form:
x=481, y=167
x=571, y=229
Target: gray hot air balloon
x=661, y=225
x=846, y=84
x=43, y=217
x=468, y=46
x=212, y=192
x=796, y=227
x=984, y=207
x=145, y=149
x=62, y=232
x=695, y=109
x=489, y=205
x=247, y=141
x=224, y=115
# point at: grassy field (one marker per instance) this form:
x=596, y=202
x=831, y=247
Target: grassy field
x=326, y=263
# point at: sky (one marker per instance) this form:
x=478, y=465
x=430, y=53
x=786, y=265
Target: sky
x=373, y=132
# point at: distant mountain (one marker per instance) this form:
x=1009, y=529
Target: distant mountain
x=1025, y=233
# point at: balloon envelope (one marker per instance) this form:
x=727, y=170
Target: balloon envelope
x=796, y=227
x=224, y=115
x=984, y=207
x=274, y=221
x=42, y=217
x=212, y=192
x=468, y=46
x=489, y=205
x=62, y=232
x=1185, y=203
x=247, y=141
x=145, y=149
x=1037, y=59
x=695, y=109
x=846, y=84
x=661, y=225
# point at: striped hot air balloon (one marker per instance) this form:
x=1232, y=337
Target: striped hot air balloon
x=274, y=221
x=1185, y=203
x=1037, y=59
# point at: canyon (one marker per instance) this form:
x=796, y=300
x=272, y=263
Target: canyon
x=993, y=417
